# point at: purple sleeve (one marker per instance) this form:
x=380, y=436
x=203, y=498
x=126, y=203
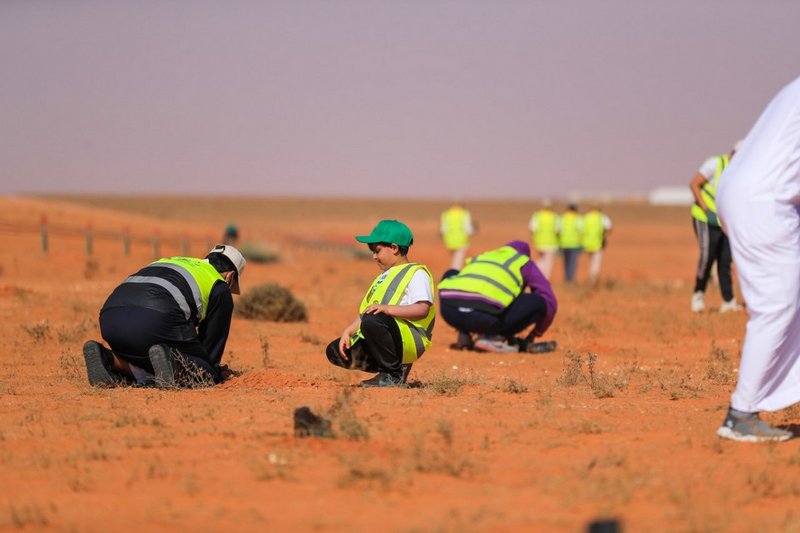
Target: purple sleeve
x=534, y=279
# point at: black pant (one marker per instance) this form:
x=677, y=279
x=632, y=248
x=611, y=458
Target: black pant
x=714, y=246
x=524, y=311
x=131, y=331
x=381, y=349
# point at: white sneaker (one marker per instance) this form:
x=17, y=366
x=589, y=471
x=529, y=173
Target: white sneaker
x=495, y=344
x=731, y=305
x=698, y=302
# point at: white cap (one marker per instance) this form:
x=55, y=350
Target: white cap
x=236, y=258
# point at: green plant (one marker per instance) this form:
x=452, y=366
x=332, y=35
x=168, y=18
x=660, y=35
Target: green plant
x=271, y=302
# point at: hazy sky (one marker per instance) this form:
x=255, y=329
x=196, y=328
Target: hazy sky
x=399, y=98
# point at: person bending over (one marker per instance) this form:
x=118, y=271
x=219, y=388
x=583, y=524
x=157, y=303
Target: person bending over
x=488, y=298
x=168, y=323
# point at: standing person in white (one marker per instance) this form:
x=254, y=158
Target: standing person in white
x=759, y=203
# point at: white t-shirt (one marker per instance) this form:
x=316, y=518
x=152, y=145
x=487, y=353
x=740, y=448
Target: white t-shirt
x=418, y=290
x=709, y=168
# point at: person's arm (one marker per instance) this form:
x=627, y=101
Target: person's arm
x=413, y=311
x=214, y=329
x=696, y=186
x=416, y=302
x=538, y=284
x=347, y=334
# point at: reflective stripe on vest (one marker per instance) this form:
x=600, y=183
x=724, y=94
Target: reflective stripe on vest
x=570, y=234
x=454, y=221
x=593, y=231
x=709, y=191
x=388, y=289
x=199, y=276
x=494, y=275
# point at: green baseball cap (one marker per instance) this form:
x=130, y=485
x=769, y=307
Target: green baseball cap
x=391, y=231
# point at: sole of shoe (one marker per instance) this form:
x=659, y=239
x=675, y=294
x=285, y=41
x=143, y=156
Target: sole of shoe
x=727, y=433
x=163, y=366
x=492, y=348
x=98, y=374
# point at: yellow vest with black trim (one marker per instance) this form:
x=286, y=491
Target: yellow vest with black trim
x=593, y=231
x=569, y=235
x=545, y=236
x=388, y=289
x=200, y=276
x=495, y=274
x=709, y=191
x=454, y=223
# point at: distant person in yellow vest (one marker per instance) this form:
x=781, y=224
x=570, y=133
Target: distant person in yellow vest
x=167, y=324
x=713, y=243
x=596, y=226
x=396, y=315
x=544, y=230
x=570, y=237
x=456, y=229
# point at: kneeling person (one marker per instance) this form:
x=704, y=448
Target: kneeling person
x=396, y=316
x=487, y=297
x=168, y=323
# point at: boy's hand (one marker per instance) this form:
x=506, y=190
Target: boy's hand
x=344, y=344
x=374, y=309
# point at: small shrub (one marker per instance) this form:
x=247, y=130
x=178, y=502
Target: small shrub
x=264, y=352
x=344, y=415
x=259, y=252
x=446, y=385
x=572, y=374
x=271, y=302
x=513, y=386
x=39, y=331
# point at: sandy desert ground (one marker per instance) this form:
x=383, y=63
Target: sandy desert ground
x=618, y=423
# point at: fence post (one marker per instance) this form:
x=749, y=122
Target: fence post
x=185, y=244
x=126, y=241
x=156, y=244
x=89, y=239
x=43, y=230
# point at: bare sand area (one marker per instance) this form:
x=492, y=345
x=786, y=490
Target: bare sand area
x=618, y=423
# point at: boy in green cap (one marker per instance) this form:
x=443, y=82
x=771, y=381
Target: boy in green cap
x=396, y=315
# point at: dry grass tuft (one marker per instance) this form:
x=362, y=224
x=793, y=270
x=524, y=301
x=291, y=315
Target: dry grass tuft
x=271, y=302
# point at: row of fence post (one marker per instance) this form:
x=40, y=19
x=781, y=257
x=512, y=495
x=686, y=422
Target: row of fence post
x=155, y=240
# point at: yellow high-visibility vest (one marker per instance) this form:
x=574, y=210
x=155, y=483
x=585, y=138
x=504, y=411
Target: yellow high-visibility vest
x=709, y=191
x=388, y=289
x=593, y=231
x=545, y=236
x=494, y=274
x=198, y=274
x=454, y=224
x=571, y=230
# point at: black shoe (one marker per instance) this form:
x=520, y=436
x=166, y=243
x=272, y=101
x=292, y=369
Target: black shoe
x=162, y=358
x=98, y=361
x=384, y=379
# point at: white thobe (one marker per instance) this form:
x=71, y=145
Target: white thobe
x=757, y=199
